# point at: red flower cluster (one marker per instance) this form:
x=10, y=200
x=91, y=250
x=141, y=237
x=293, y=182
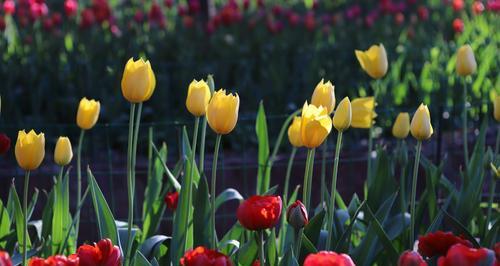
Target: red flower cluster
x=461, y=255
x=438, y=243
x=206, y=257
x=5, y=259
x=259, y=212
x=57, y=260
x=328, y=258
x=171, y=199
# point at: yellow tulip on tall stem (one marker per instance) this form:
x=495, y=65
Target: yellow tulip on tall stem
x=86, y=118
x=421, y=129
x=63, y=154
x=29, y=151
x=138, y=84
x=222, y=115
x=341, y=121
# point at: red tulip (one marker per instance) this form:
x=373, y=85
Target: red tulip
x=293, y=18
x=423, y=13
x=171, y=199
x=206, y=257
x=309, y=21
x=188, y=22
x=194, y=6
x=328, y=258
x=477, y=7
x=9, y=7
x=156, y=15
x=399, y=18
x=460, y=255
x=57, y=260
x=48, y=24
x=56, y=18
x=411, y=258
x=4, y=142
x=458, y=5
x=256, y=263
x=5, y=259
x=458, y=25
x=296, y=215
x=101, y=9
x=259, y=212
x=70, y=7
x=138, y=16
x=104, y=253
x=438, y=243
x=493, y=5
x=87, y=18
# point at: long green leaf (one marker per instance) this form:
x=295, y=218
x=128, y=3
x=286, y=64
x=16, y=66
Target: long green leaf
x=264, y=169
x=227, y=195
x=201, y=214
x=19, y=219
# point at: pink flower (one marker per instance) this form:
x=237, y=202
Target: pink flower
x=70, y=7
x=458, y=25
x=458, y=5
x=477, y=7
x=9, y=7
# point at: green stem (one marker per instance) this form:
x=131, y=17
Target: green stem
x=79, y=182
x=285, y=199
x=370, y=150
x=262, y=256
x=306, y=191
x=298, y=241
x=212, y=190
x=130, y=184
x=324, y=148
x=201, y=163
x=497, y=144
x=414, y=193
x=490, y=200
x=466, y=148
x=73, y=223
x=25, y=212
x=331, y=206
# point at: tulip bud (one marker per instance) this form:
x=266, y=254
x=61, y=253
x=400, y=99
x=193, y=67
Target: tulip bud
x=222, y=112
x=421, y=127
x=496, y=108
x=138, y=81
x=466, y=63
x=294, y=132
x=5, y=259
x=411, y=258
x=343, y=115
x=63, y=152
x=315, y=126
x=30, y=149
x=198, y=97
x=373, y=61
x=363, y=112
x=324, y=95
x=88, y=113
x=401, y=126
x=296, y=215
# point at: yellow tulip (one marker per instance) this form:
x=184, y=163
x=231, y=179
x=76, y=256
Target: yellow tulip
x=363, y=112
x=401, y=126
x=294, y=134
x=421, y=127
x=63, y=152
x=466, y=63
x=30, y=149
x=315, y=126
x=343, y=115
x=88, y=113
x=496, y=108
x=373, y=61
x=222, y=112
x=324, y=95
x=198, y=97
x=138, y=81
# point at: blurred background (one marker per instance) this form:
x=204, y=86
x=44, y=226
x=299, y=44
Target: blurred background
x=55, y=52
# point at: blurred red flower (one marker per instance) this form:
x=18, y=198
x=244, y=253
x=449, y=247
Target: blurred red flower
x=310, y=21
x=256, y=263
x=411, y=258
x=328, y=258
x=87, y=18
x=138, y=16
x=497, y=251
x=458, y=25
x=259, y=212
x=171, y=199
x=5, y=259
x=477, y=7
x=194, y=7
x=206, y=257
x=57, y=260
x=458, y=5
x=423, y=12
x=438, y=243
x=188, y=21
x=104, y=253
x=70, y=7
x=4, y=139
x=156, y=15
x=460, y=255
x=9, y=7
x=493, y=5
x=102, y=11
x=168, y=3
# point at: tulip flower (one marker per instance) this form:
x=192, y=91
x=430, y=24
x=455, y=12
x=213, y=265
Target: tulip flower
x=222, y=112
x=324, y=95
x=296, y=215
x=438, y=243
x=294, y=132
x=171, y=200
x=466, y=62
x=88, y=113
x=411, y=258
x=343, y=115
x=102, y=253
x=5, y=259
x=496, y=108
x=204, y=256
x=460, y=254
x=138, y=81
x=401, y=127
x=421, y=127
x=198, y=97
x=30, y=149
x=55, y=260
x=63, y=152
x=363, y=112
x=327, y=258
x=4, y=143
x=259, y=212
x=316, y=124
x=373, y=61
